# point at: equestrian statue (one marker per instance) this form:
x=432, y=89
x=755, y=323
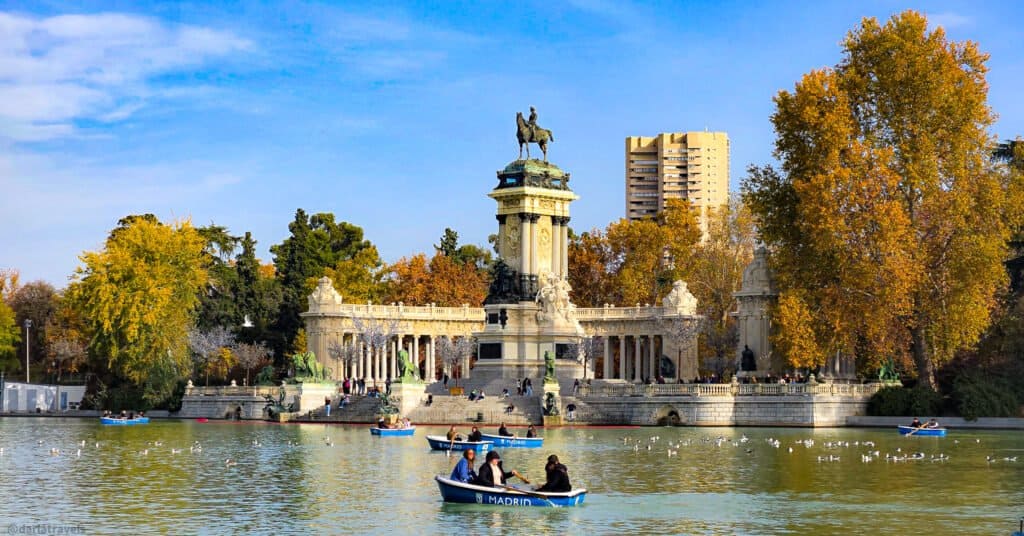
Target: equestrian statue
x=528, y=132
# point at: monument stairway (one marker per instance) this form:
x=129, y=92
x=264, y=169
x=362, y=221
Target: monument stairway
x=491, y=410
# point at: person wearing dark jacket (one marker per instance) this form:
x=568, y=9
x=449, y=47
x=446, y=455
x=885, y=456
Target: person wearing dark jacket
x=558, y=476
x=492, y=474
x=503, y=432
x=475, y=435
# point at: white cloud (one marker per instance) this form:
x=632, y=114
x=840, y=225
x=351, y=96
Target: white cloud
x=57, y=70
x=949, y=20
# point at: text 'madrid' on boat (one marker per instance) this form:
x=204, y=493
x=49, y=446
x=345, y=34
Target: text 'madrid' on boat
x=443, y=443
x=461, y=492
x=911, y=430
x=513, y=441
x=388, y=432
x=114, y=420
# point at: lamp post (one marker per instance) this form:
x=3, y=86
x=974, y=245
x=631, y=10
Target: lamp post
x=28, y=328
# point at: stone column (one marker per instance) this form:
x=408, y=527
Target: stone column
x=524, y=243
x=534, y=218
x=430, y=359
x=637, y=358
x=501, y=234
x=393, y=373
x=360, y=366
x=607, y=357
x=563, y=243
x=416, y=354
x=653, y=360
x=622, y=357
x=556, y=250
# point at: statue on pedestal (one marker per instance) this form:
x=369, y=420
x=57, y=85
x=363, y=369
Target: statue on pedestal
x=747, y=361
x=528, y=132
x=408, y=369
x=549, y=368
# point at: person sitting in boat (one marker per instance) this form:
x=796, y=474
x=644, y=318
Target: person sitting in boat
x=916, y=423
x=503, y=432
x=475, y=435
x=453, y=435
x=463, y=471
x=558, y=476
x=492, y=474
x=932, y=424
x=124, y=414
x=531, y=431
x=382, y=424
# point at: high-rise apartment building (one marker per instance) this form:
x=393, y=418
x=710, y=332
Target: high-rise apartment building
x=676, y=165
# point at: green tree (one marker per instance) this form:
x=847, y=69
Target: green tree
x=887, y=223
x=138, y=298
x=257, y=296
x=315, y=244
x=219, y=304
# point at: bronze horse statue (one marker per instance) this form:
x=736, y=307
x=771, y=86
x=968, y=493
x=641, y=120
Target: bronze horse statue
x=526, y=136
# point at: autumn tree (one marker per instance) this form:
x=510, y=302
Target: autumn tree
x=441, y=281
x=137, y=298
x=359, y=278
x=10, y=337
x=36, y=301
x=590, y=270
x=718, y=264
x=887, y=224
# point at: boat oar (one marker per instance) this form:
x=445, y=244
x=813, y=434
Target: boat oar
x=531, y=494
x=912, y=432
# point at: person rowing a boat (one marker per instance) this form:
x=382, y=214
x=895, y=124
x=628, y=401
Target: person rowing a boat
x=503, y=432
x=475, y=435
x=463, y=471
x=916, y=423
x=453, y=435
x=558, y=476
x=932, y=424
x=531, y=432
x=492, y=474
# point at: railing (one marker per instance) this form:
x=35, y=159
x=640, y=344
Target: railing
x=725, y=389
x=476, y=314
x=233, y=390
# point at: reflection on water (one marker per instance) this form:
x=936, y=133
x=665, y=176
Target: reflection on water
x=296, y=481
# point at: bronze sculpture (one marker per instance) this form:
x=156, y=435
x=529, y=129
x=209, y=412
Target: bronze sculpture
x=528, y=132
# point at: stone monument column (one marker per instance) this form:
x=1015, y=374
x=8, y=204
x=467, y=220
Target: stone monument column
x=622, y=357
x=607, y=357
x=556, y=248
x=525, y=237
x=637, y=359
x=534, y=218
x=563, y=243
x=501, y=234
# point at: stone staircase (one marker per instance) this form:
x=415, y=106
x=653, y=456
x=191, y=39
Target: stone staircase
x=491, y=410
x=445, y=409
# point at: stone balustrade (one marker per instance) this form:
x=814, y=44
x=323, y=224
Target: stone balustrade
x=234, y=390
x=726, y=389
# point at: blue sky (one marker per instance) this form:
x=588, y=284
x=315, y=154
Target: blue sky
x=392, y=115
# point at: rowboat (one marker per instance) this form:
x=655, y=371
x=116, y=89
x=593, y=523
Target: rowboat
x=114, y=420
x=388, y=432
x=443, y=443
x=936, y=432
x=460, y=492
x=513, y=441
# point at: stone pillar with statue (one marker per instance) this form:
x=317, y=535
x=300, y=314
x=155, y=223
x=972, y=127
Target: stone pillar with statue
x=528, y=308
x=753, y=323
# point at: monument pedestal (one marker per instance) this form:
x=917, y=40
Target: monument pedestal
x=407, y=396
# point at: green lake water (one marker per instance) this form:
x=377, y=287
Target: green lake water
x=295, y=483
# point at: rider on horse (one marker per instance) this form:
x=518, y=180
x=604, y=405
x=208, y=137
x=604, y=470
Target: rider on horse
x=532, y=122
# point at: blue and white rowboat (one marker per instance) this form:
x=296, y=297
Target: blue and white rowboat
x=438, y=442
x=112, y=420
x=387, y=432
x=936, y=432
x=459, y=492
x=512, y=441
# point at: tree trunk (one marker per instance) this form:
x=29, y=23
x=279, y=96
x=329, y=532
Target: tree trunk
x=922, y=358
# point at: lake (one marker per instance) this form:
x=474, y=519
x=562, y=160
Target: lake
x=294, y=481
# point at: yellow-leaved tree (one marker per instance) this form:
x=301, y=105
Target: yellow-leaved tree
x=887, y=222
x=137, y=299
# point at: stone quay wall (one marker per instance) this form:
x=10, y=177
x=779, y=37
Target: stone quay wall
x=798, y=411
